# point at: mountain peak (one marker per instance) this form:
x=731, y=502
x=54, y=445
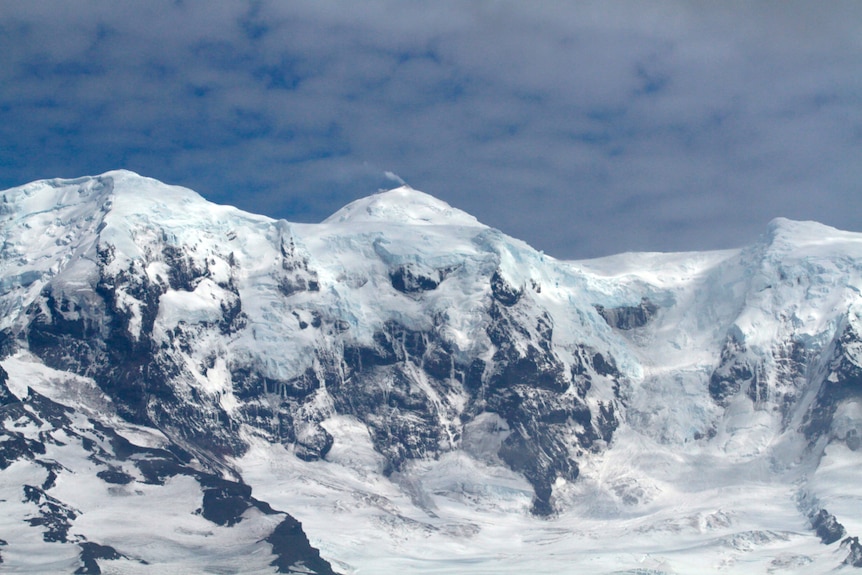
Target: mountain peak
x=788, y=227
x=402, y=205
x=59, y=194
x=785, y=235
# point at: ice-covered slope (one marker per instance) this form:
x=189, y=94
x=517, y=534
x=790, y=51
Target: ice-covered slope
x=417, y=388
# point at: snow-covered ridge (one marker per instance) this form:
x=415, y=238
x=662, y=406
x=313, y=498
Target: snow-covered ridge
x=402, y=205
x=813, y=237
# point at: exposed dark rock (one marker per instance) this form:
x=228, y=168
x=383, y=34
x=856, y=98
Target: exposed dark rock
x=183, y=273
x=409, y=279
x=854, y=557
x=51, y=480
x=54, y=516
x=733, y=372
x=233, y=318
x=439, y=363
x=6, y=396
x=606, y=421
x=293, y=552
x=526, y=386
x=605, y=366
x=296, y=275
x=843, y=381
x=541, y=461
x=8, y=343
x=628, y=317
x=827, y=527
x=48, y=410
x=533, y=369
x=503, y=292
x=289, y=286
x=16, y=446
x=313, y=443
x=298, y=387
x=115, y=476
x=383, y=393
x=224, y=501
x=90, y=552
x=157, y=470
x=539, y=444
x=474, y=376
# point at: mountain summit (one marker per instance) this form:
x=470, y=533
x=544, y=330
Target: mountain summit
x=420, y=391
x=402, y=205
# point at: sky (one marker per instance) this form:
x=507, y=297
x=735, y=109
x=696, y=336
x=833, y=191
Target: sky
x=584, y=128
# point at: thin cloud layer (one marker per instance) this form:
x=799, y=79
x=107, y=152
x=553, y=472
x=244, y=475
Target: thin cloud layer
x=585, y=129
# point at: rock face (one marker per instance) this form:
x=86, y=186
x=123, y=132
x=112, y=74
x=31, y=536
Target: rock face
x=157, y=315
x=214, y=329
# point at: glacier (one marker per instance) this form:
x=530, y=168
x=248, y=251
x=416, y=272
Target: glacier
x=421, y=392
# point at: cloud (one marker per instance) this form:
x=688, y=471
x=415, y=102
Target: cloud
x=394, y=177
x=585, y=128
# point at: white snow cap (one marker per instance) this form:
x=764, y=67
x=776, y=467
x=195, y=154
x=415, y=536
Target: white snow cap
x=791, y=235
x=403, y=205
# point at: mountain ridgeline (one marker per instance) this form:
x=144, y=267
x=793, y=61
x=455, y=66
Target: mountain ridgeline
x=217, y=329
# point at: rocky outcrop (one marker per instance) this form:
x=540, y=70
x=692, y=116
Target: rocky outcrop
x=854, y=555
x=735, y=371
x=827, y=527
x=628, y=317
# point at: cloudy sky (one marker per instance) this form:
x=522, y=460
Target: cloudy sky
x=584, y=128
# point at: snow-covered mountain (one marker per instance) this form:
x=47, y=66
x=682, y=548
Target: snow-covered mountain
x=422, y=392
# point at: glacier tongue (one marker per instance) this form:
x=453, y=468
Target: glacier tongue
x=443, y=386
